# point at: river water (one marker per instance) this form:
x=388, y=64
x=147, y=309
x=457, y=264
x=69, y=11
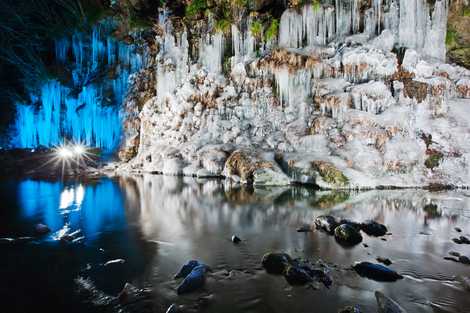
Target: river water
x=156, y=223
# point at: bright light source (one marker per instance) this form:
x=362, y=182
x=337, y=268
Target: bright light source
x=78, y=149
x=64, y=153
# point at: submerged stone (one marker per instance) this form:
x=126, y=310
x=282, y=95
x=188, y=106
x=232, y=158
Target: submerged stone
x=350, y=309
x=347, y=235
x=376, y=272
x=276, y=263
x=461, y=240
x=384, y=260
x=387, y=305
x=41, y=229
x=372, y=228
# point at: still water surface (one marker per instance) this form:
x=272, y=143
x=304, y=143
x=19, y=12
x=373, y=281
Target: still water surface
x=157, y=223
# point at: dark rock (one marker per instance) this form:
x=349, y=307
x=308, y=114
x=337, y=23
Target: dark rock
x=350, y=309
x=235, y=239
x=383, y=239
x=326, y=223
x=186, y=269
x=365, y=245
x=276, y=263
x=387, y=305
x=347, y=235
x=384, y=261
x=376, y=272
x=316, y=274
x=373, y=228
x=193, y=281
x=461, y=240
x=464, y=260
x=41, y=229
x=457, y=229
x=297, y=276
x=350, y=223
x=453, y=253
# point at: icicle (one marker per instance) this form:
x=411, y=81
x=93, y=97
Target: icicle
x=211, y=52
x=391, y=18
x=243, y=44
x=293, y=88
x=61, y=49
x=291, y=30
x=436, y=33
x=318, y=24
x=347, y=17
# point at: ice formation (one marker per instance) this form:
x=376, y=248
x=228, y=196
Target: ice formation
x=88, y=109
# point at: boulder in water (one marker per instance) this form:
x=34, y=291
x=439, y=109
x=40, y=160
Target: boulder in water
x=236, y=239
x=297, y=276
x=376, y=272
x=387, y=305
x=186, y=269
x=193, y=281
x=41, y=229
x=276, y=263
x=461, y=240
x=372, y=228
x=326, y=223
x=347, y=235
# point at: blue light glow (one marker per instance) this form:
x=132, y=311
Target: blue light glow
x=91, y=209
x=87, y=109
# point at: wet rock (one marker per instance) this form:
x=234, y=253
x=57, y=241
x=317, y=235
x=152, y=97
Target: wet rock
x=387, y=305
x=297, y=276
x=41, y=229
x=350, y=309
x=376, y=272
x=365, y=245
x=186, y=269
x=235, y=239
x=326, y=223
x=373, y=228
x=276, y=263
x=330, y=174
x=347, y=235
x=457, y=229
x=173, y=309
x=453, y=253
x=384, y=261
x=461, y=240
x=193, y=281
x=350, y=223
x=464, y=260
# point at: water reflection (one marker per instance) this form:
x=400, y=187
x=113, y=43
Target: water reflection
x=71, y=207
x=157, y=223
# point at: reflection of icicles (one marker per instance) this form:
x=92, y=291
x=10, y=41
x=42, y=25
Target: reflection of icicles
x=72, y=197
x=211, y=52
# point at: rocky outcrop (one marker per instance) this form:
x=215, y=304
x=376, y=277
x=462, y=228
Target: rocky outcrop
x=311, y=105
